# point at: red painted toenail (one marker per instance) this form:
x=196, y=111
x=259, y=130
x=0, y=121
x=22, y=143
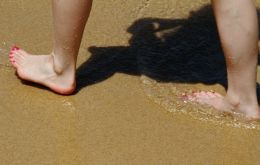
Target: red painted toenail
x=14, y=48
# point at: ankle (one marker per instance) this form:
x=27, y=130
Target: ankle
x=62, y=66
x=243, y=102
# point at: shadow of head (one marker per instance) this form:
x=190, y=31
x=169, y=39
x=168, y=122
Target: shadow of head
x=167, y=50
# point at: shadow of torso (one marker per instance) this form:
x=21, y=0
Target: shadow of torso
x=167, y=50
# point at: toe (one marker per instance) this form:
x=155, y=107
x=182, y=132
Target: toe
x=211, y=94
x=15, y=47
x=202, y=95
x=190, y=98
x=13, y=50
x=14, y=63
x=21, y=52
x=11, y=57
x=17, y=59
x=16, y=50
x=218, y=95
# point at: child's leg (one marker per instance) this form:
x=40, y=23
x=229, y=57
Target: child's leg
x=238, y=29
x=57, y=70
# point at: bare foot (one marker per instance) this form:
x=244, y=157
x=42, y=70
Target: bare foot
x=40, y=69
x=225, y=104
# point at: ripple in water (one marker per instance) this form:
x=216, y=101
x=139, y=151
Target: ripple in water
x=168, y=95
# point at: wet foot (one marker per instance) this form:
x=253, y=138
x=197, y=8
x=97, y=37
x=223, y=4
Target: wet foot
x=40, y=69
x=225, y=104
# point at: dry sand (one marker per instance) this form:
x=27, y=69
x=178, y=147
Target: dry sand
x=111, y=120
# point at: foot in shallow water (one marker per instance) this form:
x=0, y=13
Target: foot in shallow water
x=40, y=69
x=224, y=104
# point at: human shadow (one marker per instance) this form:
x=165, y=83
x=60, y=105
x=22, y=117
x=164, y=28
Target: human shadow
x=166, y=50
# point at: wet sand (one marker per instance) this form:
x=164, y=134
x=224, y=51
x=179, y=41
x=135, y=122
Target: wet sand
x=112, y=119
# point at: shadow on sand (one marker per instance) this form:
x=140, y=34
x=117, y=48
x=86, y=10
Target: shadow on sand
x=167, y=50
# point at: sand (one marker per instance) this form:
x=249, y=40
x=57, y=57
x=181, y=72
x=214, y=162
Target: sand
x=115, y=117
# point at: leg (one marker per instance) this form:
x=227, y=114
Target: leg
x=238, y=29
x=57, y=70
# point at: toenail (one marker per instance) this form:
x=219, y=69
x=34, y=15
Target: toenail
x=15, y=48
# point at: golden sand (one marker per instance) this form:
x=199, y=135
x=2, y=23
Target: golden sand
x=123, y=113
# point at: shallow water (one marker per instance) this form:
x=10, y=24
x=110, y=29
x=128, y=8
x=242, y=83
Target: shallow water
x=127, y=109
x=168, y=95
x=178, y=55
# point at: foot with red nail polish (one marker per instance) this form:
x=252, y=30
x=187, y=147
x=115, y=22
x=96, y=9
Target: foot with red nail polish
x=41, y=69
